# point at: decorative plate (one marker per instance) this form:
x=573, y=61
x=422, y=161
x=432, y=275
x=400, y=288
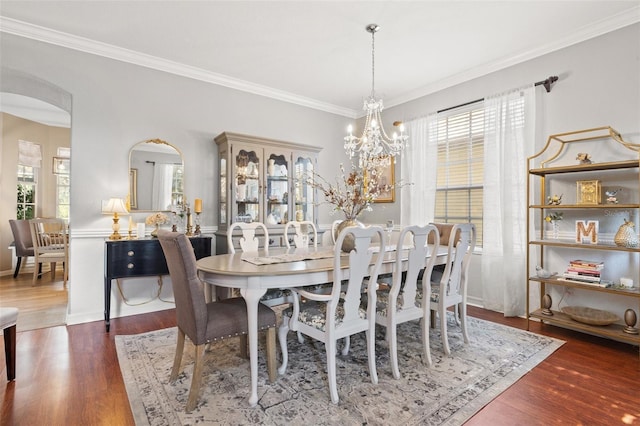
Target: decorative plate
x=590, y=316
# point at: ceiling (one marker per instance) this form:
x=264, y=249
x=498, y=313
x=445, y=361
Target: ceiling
x=317, y=53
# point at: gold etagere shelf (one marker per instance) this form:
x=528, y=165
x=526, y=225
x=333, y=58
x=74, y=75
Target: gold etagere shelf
x=544, y=166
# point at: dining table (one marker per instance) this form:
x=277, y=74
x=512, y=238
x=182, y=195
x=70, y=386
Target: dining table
x=256, y=272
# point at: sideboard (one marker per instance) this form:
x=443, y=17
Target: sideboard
x=139, y=258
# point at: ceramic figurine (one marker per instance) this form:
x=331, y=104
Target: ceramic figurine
x=554, y=200
x=584, y=158
x=543, y=273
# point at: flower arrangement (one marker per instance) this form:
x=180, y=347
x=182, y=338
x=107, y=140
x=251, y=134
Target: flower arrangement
x=156, y=219
x=554, y=216
x=353, y=192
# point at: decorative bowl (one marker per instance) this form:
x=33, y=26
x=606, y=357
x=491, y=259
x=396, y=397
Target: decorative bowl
x=590, y=316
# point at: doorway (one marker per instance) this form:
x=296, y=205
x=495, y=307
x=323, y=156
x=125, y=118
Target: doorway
x=33, y=120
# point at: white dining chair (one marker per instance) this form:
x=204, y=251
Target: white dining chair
x=402, y=302
x=305, y=234
x=451, y=288
x=50, y=245
x=250, y=240
x=337, y=315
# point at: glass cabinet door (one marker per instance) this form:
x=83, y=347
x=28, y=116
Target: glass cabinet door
x=223, y=188
x=304, y=193
x=277, y=189
x=247, y=187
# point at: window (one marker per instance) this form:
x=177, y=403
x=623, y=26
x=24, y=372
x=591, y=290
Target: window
x=26, y=194
x=459, y=183
x=61, y=169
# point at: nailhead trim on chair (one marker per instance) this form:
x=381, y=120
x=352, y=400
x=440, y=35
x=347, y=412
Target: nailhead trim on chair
x=240, y=334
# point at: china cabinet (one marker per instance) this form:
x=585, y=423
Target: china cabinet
x=590, y=180
x=264, y=180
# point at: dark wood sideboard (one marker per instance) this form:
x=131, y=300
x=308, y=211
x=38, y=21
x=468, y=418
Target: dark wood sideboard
x=139, y=258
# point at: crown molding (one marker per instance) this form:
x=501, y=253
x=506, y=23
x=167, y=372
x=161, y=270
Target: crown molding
x=629, y=17
x=81, y=44
x=58, y=38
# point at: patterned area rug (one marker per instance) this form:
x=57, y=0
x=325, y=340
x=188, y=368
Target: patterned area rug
x=448, y=393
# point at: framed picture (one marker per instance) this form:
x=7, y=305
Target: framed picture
x=133, y=189
x=386, y=184
x=61, y=165
x=588, y=192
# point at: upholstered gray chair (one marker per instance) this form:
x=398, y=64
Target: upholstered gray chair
x=202, y=322
x=22, y=241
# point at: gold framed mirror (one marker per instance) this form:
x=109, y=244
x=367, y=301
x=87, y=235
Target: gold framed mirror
x=156, y=176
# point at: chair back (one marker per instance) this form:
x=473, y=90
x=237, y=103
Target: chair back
x=188, y=290
x=417, y=255
x=358, y=268
x=50, y=239
x=305, y=233
x=459, y=250
x=22, y=237
x=249, y=241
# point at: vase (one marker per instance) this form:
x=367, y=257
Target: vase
x=349, y=243
x=556, y=229
x=154, y=233
x=271, y=168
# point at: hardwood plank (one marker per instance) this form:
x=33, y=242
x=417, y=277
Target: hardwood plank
x=70, y=375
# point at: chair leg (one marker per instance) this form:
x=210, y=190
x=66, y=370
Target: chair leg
x=52, y=266
x=330, y=348
x=392, y=341
x=425, y=323
x=194, y=391
x=282, y=337
x=17, y=271
x=371, y=354
x=10, y=351
x=36, y=274
x=463, y=321
x=347, y=346
x=271, y=354
x=178, y=357
x=443, y=331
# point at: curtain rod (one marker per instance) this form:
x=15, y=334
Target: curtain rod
x=546, y=83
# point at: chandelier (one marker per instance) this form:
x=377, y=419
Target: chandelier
x=374, y=146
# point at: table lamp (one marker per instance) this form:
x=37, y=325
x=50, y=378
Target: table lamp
x=115, y=206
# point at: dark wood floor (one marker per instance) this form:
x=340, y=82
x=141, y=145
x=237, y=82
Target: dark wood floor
x=70, y=376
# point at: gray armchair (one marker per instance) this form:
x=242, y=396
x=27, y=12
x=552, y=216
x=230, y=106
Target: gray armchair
x=203, y=322
x=22, y=240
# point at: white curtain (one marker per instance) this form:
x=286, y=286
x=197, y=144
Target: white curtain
x=418, y=172
x=161, y=191
x=509, y=140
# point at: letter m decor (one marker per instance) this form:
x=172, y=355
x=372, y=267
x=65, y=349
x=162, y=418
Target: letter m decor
x=587, y=230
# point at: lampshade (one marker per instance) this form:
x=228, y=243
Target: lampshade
x=115, y=206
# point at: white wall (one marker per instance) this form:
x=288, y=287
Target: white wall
x=116, y=105
x=599, y=85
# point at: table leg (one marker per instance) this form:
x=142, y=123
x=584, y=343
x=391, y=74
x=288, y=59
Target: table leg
x=252, y=298
x=107, y=302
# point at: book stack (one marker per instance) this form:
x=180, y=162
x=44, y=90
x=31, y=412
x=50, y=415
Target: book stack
x=584, y=271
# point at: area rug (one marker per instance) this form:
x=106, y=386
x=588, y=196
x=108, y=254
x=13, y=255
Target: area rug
x=449, y=392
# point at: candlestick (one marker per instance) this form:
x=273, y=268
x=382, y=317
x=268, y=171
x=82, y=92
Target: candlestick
x=197, y=231
x=189, y=223
x=197, y=205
